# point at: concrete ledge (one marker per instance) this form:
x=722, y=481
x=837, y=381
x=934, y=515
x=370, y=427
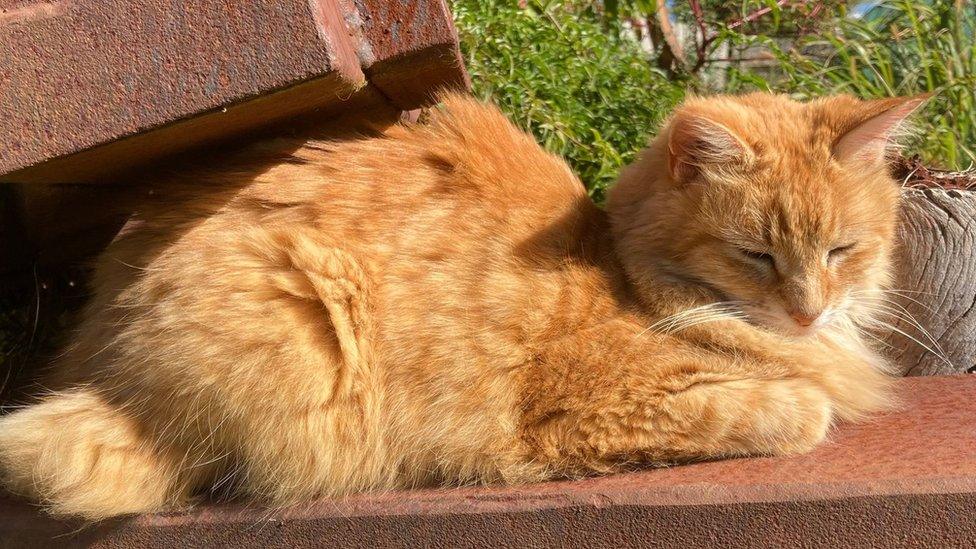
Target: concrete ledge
x=905, y=479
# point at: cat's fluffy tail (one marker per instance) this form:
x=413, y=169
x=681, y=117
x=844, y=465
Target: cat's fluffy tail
x=80, y=456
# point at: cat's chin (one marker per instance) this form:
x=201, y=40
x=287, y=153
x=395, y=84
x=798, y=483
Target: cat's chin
x=797, y=331
x=836, y=326
x=802, y=331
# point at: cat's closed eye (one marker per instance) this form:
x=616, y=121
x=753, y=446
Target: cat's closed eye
x=762, y=258
x=839, y=252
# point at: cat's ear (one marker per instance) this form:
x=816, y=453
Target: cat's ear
x=696, y=142
x=883, y=122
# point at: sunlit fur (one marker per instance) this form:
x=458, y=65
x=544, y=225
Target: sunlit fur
x=444, y=305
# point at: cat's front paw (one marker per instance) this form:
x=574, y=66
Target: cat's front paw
x=801, y=420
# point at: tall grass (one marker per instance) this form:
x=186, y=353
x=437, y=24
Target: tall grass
x=570, y=76
x=897, y=48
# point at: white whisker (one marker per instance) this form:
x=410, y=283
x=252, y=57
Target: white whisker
x=940, y=354
x=873, y=295
x=711, y=312
x=904, y=316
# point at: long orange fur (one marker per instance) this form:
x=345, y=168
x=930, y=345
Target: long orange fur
x=443, y=304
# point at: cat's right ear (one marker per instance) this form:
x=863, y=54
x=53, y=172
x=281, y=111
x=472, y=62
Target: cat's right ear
x=696, y=143
x=875, y=134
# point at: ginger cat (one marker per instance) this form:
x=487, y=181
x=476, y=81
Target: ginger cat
x=443, y=304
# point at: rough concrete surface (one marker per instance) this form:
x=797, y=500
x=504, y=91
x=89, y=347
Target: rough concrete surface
x=905, y=479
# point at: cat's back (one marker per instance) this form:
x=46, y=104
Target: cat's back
x=303, y=270
x=466, y=171
x=428, y=220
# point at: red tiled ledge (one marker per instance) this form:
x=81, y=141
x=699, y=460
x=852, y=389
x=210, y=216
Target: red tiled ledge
x=906, y=479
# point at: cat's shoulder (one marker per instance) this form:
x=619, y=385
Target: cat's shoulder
x=474, y=141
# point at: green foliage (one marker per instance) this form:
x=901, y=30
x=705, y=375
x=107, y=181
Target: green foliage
x=566, y=71
x=778, y=19
x=898, y=48
x=561, y=70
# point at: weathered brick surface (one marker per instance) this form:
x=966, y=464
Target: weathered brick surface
x=408, y=48
x=77, y=74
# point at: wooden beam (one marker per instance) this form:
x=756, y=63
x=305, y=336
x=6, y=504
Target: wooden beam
x=935, y=289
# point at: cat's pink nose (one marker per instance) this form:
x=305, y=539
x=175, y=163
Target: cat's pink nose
x=804, y=319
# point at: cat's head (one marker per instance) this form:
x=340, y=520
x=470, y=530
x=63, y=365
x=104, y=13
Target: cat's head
x=785, y=208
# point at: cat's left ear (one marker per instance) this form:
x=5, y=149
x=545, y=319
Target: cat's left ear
x=870, y=140
x=696, y=143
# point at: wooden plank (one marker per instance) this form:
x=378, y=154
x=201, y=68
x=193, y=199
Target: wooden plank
x=905, y=479
x=936, y=283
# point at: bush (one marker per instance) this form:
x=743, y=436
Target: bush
x=571, y=74
x=573, y=78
